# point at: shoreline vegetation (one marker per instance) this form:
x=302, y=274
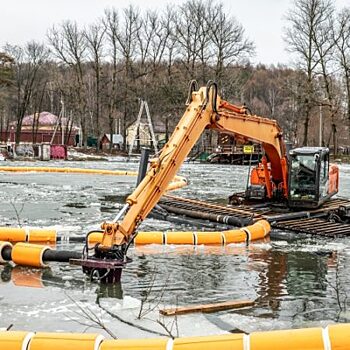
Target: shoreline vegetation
x=95, y=76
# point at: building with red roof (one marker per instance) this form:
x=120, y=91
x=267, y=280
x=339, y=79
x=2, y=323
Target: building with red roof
x=46, y=127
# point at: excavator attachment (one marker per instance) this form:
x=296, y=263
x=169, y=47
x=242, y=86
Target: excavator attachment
x=105, y=265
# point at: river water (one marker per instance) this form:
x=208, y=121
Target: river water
x=295, y=281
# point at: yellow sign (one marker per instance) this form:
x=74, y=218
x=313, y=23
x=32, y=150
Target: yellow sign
x=248, y=149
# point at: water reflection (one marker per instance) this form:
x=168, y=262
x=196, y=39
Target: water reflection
x=40, y=278
x=293, y=273
x=110, y=291
x=35, y=278
x=285, y=283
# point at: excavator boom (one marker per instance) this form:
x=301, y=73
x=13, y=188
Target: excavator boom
x=254, y=128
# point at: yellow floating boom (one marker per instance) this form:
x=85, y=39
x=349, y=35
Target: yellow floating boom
x=258, y=230
x=24, y=169
x=333, y=337
x=26, y=254
x=177, y=183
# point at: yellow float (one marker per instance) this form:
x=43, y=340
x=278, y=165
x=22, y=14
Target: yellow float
x=26, y=254
x=27, y=234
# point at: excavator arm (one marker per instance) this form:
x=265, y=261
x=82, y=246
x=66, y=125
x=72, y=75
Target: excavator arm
x=196, y=118
x=204, y=110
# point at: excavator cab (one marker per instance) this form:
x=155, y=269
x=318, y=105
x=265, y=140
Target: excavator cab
x=308, y=177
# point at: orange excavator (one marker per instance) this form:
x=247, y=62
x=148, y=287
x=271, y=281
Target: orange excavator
x=302, y=179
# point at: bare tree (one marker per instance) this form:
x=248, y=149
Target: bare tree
x=100, y=72
x=342, y=42
x=323, y=38
x=229, y=44
x=169, y=25
x=6, y=71
x=294, y=85
x=192, y=33
x=303, y=37
x=173, y=83
x=128, y=35
x=29, y=60
x=7, y=84
x=38, y=98
x=127, y=46
x=111, y=23
x=95, y=35
x=69, y=46
x=152, y=38
x=87, y=317
x=201, y=13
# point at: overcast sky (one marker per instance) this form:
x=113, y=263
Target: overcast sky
x=24, y=20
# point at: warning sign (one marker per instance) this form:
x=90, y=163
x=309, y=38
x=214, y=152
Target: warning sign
x=248, y=149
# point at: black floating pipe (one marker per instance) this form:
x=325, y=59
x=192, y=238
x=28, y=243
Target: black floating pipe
x=6, y=253
x=71, y=239
x=60, y=255
x=48, y=255
x=145, y=152
x=294, y=216
x=165, y=216
x=223, y=219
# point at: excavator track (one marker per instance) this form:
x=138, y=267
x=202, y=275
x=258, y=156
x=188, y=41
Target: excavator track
x=323, y=221
x=314, y=226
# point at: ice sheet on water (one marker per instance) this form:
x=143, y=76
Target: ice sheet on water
x=66, y=228
x=195, y=324
x=318, y=248
x=249, y=324
x=279, y=244
x=262, y=246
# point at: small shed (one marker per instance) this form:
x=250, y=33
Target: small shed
x=144, y=136
x=117, y=141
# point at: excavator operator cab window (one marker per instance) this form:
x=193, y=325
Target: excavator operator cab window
x=324, y=171
x=308, y=185
x=303, y=177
